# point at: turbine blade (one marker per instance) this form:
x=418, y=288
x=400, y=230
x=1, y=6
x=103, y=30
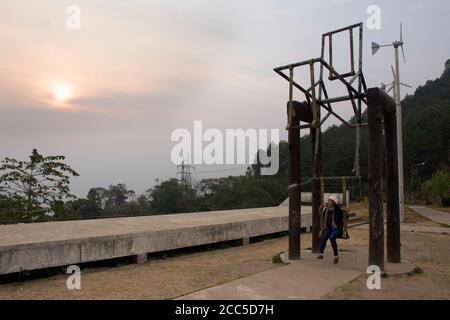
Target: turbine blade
x=405, y=85
x=403, y=53
x=393, y=73
x=401, y=32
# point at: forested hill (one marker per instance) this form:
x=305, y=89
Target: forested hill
x=427, y=125
x=426, y=135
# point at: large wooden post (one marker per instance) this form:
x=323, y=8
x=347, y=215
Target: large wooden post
x=376, y=157
x=317, y=167
x=381, y=106
x=294, y=177
x=392, y=194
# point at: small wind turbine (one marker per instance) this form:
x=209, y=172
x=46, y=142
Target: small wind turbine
x=396, y=85
x=388, y=87
x=395, y=44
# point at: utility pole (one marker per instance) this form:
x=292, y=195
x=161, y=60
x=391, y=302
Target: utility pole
x=412, y=175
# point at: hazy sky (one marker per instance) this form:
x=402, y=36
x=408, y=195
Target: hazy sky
x=137, y=70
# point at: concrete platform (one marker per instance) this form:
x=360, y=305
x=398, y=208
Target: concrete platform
x=52, y=244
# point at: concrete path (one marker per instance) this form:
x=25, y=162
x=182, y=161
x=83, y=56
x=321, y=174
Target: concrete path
x=435, y=215
x=414, y=228
x=305, y=279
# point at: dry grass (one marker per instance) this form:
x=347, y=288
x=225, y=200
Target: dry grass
x=180, y=275
x=411, y=217
x=361, y=209
x=157, y=279
x=430, y=254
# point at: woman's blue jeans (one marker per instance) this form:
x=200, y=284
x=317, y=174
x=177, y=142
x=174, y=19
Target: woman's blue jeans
x=331, y=235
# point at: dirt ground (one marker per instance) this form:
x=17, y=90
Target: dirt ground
x=180, y=275
x=156, y=279
x=430, y=253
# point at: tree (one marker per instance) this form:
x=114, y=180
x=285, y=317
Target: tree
x=117, y=195
x=439, y=185
x=97, y=196
x=171, y=196
x=36, y=188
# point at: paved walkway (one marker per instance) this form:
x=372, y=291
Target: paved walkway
x=432, y=214
x=303, y=279
x=414, y=228
x=307, y=278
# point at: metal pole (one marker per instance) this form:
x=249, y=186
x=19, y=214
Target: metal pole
x=358, y=147
x=399, y=136
x=358, y=116
x=316, y=159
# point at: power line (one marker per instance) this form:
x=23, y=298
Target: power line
x=222, y=170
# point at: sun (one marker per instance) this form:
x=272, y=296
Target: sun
x=62, y=92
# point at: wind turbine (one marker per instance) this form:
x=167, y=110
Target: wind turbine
x=388, y=87
x=396, y=85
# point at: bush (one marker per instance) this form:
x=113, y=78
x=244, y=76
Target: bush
x=446, y=201
x=439, y=186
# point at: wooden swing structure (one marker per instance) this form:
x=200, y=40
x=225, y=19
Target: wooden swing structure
x=380, y=109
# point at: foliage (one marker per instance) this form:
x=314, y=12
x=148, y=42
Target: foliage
x=278, y=260
x=445, y=201
x=172, y=196
x=117, y=195
x=35, y=188
x=439, y=185
x=111, y=201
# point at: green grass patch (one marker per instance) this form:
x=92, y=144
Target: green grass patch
x=277, y=259
x=416, y=270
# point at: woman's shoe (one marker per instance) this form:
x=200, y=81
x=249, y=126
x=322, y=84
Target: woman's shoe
x=320, y=257
x=336, y=260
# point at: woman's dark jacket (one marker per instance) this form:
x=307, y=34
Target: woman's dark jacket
x=338, y=218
